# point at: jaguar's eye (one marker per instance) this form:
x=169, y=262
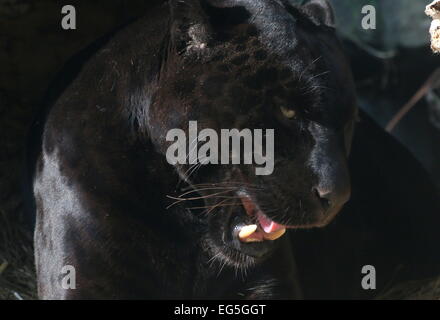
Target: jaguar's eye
x=288, y=113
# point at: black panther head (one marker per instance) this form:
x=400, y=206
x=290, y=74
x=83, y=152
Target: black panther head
x=259, y=64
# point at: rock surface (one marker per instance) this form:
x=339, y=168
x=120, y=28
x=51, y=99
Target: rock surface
x=433, y=10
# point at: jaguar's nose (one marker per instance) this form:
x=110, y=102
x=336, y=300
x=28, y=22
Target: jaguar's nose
x=332, y=198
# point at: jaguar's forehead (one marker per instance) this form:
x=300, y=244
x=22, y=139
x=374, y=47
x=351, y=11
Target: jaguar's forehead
x=271, y=43
x=270, y=59
x=244, y=71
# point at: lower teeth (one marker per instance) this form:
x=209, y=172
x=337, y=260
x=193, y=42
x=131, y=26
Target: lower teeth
x=275, y=235
x=249, y=240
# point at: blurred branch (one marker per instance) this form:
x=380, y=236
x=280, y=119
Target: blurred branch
x=425, y=88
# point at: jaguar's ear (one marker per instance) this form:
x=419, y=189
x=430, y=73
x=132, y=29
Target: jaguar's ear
x=189, y=25
x=195, y=22
x=320, y=11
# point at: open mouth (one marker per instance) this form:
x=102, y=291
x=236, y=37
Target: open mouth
x=262, y=228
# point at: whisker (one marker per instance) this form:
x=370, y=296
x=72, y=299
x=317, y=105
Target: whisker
x=220, y=204
x=214, y=195
x=197, y=167
x=212, y=259
x=204, y=189
x=179, y=199
x=214, y=206
x=191, y=171
x=228, y=182
x=186, y=158
x=305, y=70
x=191, y=167
x=318, y=75
x=236, y=185
x=221, y=268
x=192, y=146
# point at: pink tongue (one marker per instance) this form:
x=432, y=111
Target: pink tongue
x=268, y=225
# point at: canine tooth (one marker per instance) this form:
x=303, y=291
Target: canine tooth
x=246, y=231
x=274, y=235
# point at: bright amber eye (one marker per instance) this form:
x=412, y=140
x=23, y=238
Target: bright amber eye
x=288, y=113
